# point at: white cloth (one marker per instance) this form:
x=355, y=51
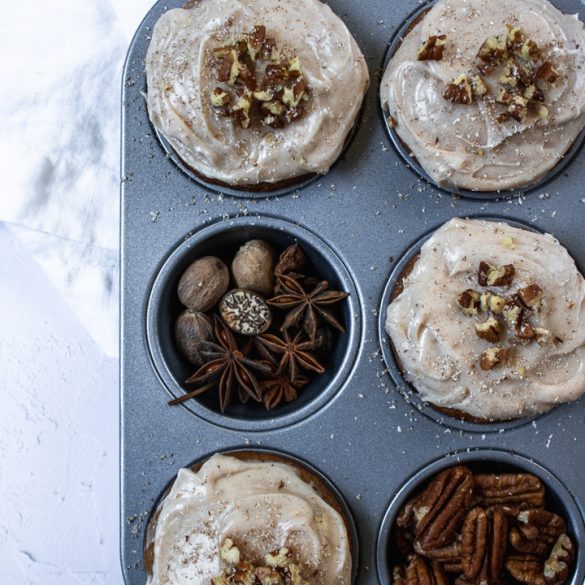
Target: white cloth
x=59, y=147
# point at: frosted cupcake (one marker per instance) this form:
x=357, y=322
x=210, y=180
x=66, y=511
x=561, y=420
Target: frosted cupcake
x=490, y=322
x=255, y=94
x=488, y=95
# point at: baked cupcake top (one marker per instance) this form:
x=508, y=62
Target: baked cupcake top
x=488, y=94
x=491, y=321
x=223, y=87
x=260, y=505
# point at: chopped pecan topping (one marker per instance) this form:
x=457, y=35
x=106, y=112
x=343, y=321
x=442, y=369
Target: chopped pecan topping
x=491, y=302
x=493, y=357
x=518, y=109
x=556, y=567
x=543, y=336
x=468, y=301
x=513, y=313
x=479, y=86
x=522, y=46
x=516, y=76
x=432, y=49
x=459, y=91
x=489, y=275
x=533, y=93
x=531, y=296
x=547, y=73
x=492, y=53
x=490, y=330
x=259, y=82
x=279, y=569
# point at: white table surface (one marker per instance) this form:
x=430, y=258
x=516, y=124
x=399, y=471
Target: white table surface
x=59, y=388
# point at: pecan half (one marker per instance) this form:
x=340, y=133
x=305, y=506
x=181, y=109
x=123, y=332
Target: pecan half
x=536, y=531
x=526, y=569
x=442, y=508
x=420, y=571
x=432, y=49
x=483, y=544
x=521, y=490
x=558, y=564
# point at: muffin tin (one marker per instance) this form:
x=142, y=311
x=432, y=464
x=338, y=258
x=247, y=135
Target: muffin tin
x=363, y=428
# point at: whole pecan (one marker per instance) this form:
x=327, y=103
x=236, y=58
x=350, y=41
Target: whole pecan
x=483, y=544
x=520, y=490
x=437, y=513
x=536, y=531
x=556, y=567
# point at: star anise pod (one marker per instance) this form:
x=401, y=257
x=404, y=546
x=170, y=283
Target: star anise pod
x=308, y=306
x=278, y=388
x=293, y=353
x=227, y=368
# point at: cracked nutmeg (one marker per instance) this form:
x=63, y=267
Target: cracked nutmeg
x=258, y=81
x=478, y=542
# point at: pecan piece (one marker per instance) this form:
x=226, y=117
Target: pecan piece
x=513, y=313
x=516, y=76
x=490, y=330
x=491, y=53
x=558, y=564
x=510, y=489
x=459, y=91
x=493, y=357
x=468, y=301
x=489, y=275
x=432, y=49
x=547, y=73
x=543, y=336
x=491, y=302
x=479, y=86
x=531, y=296
x=442, y=508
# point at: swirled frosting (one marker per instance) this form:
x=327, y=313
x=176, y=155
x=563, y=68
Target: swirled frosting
x=260, y=505
x=464, y=146
x=436, y=342
x=180, y=82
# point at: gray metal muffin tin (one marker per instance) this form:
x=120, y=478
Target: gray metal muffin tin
x=362, y=426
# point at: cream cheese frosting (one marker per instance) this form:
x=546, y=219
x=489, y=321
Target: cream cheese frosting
x=180, y=81
x=436, y=343
x=262, y=506
x=464, y=146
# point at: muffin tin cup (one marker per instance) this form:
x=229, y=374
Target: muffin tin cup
x=412, y=163
x=223, y=238
x=559, y=499
x=283, y=457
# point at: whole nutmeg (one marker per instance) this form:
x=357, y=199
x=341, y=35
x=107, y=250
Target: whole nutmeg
x=203, y=284
x=253, y=267
x=193, y=330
